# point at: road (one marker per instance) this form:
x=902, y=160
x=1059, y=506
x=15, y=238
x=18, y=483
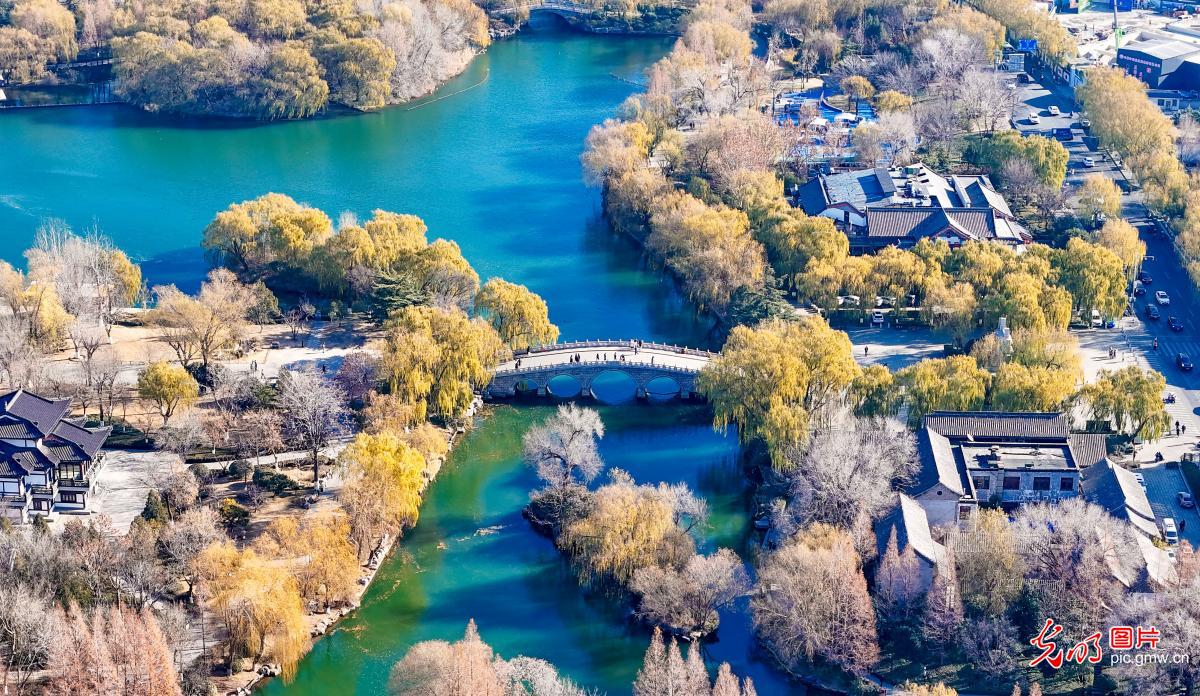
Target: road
x=1134, y=336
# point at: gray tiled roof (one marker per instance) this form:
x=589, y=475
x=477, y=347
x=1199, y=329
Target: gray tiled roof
x=1087, y=449
x=938, y=464
x=26, y=416
x=909, y=520
x=998, y=424
x=1117, y=490
x=40, y=413
x=923, y=221
x=858, y=188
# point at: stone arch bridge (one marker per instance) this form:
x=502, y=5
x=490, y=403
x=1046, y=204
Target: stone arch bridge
x=585, y=360
x=564, y=8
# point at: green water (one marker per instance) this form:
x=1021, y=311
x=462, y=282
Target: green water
x=495, y=168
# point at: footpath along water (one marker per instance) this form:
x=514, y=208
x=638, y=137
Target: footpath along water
x=496, y=169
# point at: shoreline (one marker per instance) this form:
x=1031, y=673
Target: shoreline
x=322, y=624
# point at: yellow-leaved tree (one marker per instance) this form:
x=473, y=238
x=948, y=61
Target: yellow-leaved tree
x=772, y=380
x=319, y=553
x=259, y=603
x=518, y=314
x=169, y=386
x=435, y=358
x=384, y=479
x=629, y=527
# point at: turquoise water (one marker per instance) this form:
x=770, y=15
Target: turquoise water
x=495, y=168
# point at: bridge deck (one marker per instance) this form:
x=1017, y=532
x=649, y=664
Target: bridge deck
x=616, y=353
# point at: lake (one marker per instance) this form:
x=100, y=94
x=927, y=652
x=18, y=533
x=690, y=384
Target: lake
x=490, y=161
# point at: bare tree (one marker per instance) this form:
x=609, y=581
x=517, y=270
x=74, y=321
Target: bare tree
x=187, y=535
x=1075, y=554
x=313, y=412
x=687, y=599
x=563, y=452
x=844, y=475
x=27, y=627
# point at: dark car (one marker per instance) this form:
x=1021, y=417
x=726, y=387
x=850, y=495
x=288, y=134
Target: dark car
x=1184, y=362
x=1145, y=277
x=1152, y=312
x=1139, y=290
x=1174, y=324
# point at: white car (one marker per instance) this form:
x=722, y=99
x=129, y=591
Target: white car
x=1089, y=161
x=1170, y=531
x=1035, y=119
x=1162, y=298
x=1053, y=111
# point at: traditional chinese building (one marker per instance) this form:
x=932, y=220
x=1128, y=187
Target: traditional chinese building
x=48, y=460
x=995, y=457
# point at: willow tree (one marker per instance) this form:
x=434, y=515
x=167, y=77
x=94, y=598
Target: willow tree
x=518, y=314
x=319, y=553
x=1131, y=398
x=436, y=358
x=384, y=479
x=258, y=602
x=629, y=527
x=168, y=386
x=770, y=381
x=956, y=383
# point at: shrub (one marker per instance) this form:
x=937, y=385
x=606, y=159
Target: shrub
x=275, y=482
x=240, y=469
x=232, y=514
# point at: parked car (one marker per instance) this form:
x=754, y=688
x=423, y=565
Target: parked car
x=1053, y=111
x=1085, y=123
x=1089, y=161
x=1152, y=312
x=1184, y=362
x=1170, y=531
x=1162, y=298
x=1145, y=278
x=1139, y=290
x=1185, y=500
x=1035, y=119
x=1174, y=324
x=877, y=318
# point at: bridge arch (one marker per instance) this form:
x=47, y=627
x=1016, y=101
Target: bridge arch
x=645, y=369
x=564, y=386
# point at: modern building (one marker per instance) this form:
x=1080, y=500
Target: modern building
x=48, y=461
x=971, y=458
x=900, y=206
x=1162, y=63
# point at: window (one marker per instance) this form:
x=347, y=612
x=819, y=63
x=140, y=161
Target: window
x=69, y=497
x=982, y=483
x=1066, y=483
x=1041, y=483
x=964, y=513
x=1012, y=483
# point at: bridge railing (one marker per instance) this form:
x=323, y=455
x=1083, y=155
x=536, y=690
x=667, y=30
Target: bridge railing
x=619, y=343
x=616, y=364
